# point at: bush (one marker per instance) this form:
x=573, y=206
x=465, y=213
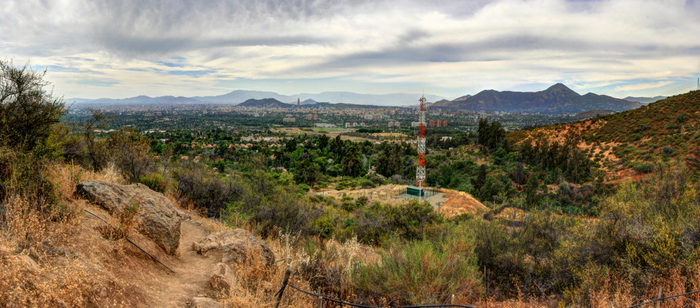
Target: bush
x=206, y=191
x=27, y=110
x=422, y=272
x=644, y=168
x=155, y=181
x=131, y=154
x=28, y=114
x=667, y=150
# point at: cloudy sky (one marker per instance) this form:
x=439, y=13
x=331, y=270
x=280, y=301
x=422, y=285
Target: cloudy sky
x=124, y=48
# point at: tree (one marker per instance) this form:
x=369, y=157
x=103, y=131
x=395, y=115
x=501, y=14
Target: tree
x=337, y=147
x=131, y=154
x=28, y=116
x=307, y=172
x=491, y=135
x=291, y=145
x=480, y=179
x=352, y=165
x=97, y=153
x=27, y=110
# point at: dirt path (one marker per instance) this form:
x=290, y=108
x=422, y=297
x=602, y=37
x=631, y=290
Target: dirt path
x=193, y=271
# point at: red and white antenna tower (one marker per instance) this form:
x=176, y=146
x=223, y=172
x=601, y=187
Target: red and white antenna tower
x=420, y=169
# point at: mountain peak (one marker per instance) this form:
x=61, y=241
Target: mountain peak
x=559, y=86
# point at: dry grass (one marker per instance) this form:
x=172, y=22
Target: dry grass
x=257, y=284
x=67, y=176
x=49, y=257
x=42, y=268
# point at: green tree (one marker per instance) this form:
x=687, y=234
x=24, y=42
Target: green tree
x=323, y=141
x=338, y=147
x=97, y=152
x=352, y=165
x=27, y=110
x=480, y=179
x=291, y=145
x=307, y=172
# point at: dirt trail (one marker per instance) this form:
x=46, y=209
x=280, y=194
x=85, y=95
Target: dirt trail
x=193, y=271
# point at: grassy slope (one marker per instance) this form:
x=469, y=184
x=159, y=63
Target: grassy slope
x=662, y=131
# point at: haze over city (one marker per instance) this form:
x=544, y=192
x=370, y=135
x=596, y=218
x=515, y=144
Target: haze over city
x=95, y=49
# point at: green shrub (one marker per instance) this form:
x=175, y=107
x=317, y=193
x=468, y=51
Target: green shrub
x=367, y=183
x=421, y=272
x=644, y=168
x=206, y=190
x=667, y=150
x=155, y=181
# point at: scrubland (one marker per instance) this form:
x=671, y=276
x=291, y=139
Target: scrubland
x=640, y=236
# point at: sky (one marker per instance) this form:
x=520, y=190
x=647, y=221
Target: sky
x=126, y=48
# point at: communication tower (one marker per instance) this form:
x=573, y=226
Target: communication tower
x=420, y=145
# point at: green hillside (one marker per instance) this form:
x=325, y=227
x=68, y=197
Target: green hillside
x=662, y=130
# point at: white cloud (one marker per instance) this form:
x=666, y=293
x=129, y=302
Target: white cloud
x=456, y=46
x=642, y=86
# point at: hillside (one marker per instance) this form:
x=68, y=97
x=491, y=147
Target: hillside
x=663, y=131
x=644, y=100
x=556, y=99
x=265, y=103
x=592, y=114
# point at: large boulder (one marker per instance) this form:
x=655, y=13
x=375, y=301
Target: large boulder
x=222, y=279
x=204, y=302
x=236, y=246
x=157, y=217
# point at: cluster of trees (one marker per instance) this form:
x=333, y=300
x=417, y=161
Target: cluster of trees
x=492, y=135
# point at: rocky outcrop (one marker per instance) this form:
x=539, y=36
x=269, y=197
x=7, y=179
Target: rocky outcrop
x=204, y=302
x=236, y=246
x=157, y=217
x=222, y=278
x=29, y=263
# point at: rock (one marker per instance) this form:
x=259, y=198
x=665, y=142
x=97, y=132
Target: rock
x=157, y=218
x=4, y=251
x=236, y=245
x=204, y=302
x=29, y=263
x=222, y=278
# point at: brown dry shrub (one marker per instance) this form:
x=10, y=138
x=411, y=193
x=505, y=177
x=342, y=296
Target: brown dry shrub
x=42, y=235
x=257, y=284
x=67, y=176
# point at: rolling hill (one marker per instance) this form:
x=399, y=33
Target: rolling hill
x=664, y=131
x=644, y=100
x=556, y=99
x=265, y=103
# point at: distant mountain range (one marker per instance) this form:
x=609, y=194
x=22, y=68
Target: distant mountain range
x=555, y=99
x=273, y=103
x=265, y=103
x=645, y=100
x=240, y=96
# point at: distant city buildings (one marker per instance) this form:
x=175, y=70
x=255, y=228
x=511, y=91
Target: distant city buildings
x=394, y=124
x=289, y=120
x=325, y=125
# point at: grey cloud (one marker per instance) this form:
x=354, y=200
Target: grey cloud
x=506, y=47
x=139, y=45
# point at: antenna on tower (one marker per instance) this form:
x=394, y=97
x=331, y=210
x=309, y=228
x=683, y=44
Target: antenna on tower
x=698, y=86
x=420, y=146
